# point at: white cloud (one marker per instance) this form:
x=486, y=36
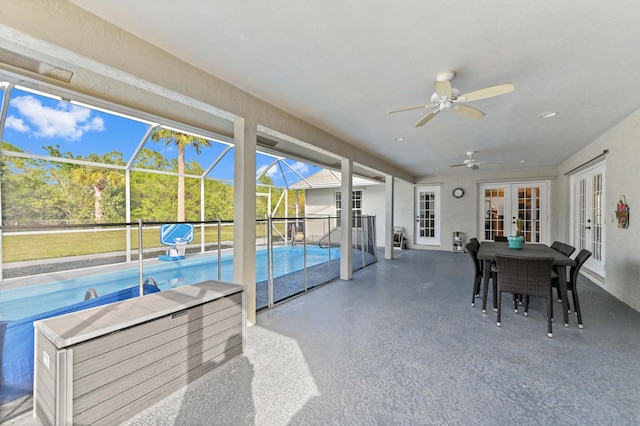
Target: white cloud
x=66, y=121
x=273, y=171
x=301, y=168
x=16, y=124
x=261, y=170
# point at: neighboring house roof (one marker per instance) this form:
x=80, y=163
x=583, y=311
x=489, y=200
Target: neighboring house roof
x=329, y=179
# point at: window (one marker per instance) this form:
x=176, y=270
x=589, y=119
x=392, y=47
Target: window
x=356, y=206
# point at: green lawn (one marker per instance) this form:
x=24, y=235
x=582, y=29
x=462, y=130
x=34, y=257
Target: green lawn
x=17, y=248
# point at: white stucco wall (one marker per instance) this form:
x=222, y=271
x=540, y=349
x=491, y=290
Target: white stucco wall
x=460, y=214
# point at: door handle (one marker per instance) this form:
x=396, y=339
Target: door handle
x=587, y=227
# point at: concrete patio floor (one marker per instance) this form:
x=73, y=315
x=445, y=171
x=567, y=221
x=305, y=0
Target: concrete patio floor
x=400, y=344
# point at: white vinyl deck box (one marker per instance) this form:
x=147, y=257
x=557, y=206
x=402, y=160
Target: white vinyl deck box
x=105, y=364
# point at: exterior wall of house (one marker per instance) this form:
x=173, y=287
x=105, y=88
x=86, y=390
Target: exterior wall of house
x=320, y=202
x=622, y=261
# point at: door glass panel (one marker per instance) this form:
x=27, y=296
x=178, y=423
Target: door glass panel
x=597, y=217
x=529, y=212
x=427, y=228
x=582, y=214
x=428, y=215
x=494, y=213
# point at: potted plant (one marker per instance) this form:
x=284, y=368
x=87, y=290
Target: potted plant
x=516, y=241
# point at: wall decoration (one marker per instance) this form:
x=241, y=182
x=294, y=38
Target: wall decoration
x=622, y=213
x=458, y=192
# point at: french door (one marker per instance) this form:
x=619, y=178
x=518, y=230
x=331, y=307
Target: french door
x=587, y=208
x=501, y=204
x=428, y=215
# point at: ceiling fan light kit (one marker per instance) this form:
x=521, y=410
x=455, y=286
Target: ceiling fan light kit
x=445, y=75
x=447, y=97
x=471, y=162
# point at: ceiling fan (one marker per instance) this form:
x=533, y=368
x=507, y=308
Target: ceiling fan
x=448, y=97
x=471, y=162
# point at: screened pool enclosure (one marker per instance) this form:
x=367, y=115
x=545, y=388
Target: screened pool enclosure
x=84, y=194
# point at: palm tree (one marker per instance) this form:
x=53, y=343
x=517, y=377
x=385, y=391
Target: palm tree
x=180, y=140
x=100, y=178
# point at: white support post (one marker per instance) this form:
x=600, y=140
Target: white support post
x=244, y=212
x=346, y=242
x=388, y=218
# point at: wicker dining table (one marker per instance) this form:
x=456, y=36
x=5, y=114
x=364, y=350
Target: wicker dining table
x=489, y=249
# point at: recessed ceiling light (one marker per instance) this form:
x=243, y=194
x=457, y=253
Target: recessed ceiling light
x=549, y=114
x=523, y=161
x=398, y=139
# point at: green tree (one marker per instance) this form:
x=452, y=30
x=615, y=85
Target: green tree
x=39, y=191
x=180, y=140
x=101, y=179
x=153, y=195
x=218, y=201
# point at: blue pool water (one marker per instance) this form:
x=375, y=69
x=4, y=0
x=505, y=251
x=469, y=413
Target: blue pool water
x=26, y=301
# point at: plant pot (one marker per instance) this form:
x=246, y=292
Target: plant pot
x=515, y=242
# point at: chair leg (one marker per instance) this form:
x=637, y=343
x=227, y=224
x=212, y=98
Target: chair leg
x=499, y=308
x=559, y=294
x=495, y=291
x=526, y=305
x=576, y=307
x=515, y=303
x=549, y=314
x=476, y=289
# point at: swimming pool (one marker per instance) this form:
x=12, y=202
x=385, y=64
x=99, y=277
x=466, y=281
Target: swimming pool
x=26, y=301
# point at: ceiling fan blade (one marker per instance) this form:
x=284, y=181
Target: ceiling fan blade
x=458, y=165
x=467, y=111
x=409, y=109
x=443, y=88
x=474, y=167
x=427, y=117
x=488, y=92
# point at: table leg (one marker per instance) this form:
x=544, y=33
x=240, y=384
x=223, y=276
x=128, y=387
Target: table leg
x=562, y=282
x=485, y=282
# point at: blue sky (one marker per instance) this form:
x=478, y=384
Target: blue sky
x=34, y=121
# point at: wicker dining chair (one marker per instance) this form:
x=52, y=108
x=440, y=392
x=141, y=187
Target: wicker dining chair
x=563, y=248
x=500, y=239
x=472, y=249
x=529, y=276
x=475, y=242
x=567, y=250
x=572, y=283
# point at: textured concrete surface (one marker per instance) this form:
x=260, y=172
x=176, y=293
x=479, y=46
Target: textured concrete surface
x=401, y=345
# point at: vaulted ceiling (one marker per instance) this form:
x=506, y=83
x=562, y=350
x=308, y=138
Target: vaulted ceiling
x=344, y=65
